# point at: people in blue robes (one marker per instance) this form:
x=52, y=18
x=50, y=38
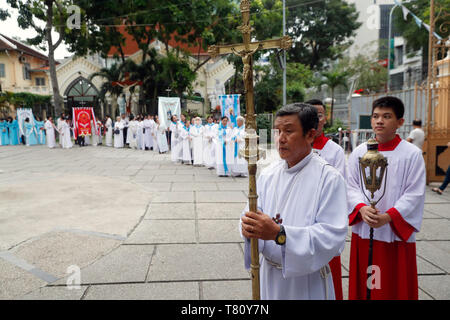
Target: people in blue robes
x=40, y=131
x=13, y=126
x=30, y=133
x=4, y=135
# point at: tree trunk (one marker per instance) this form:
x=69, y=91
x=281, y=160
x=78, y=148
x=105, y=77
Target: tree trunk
x=57, y=99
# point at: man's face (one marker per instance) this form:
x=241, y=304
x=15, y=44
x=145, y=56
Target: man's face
x=292, y=145
x=240, y=123
x=384, y=122
x=210, y=120
x=322, y=118
x=224, y=121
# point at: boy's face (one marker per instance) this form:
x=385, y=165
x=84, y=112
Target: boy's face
x=384, y=121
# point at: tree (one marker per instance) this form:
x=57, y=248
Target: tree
x=320, y=29
x=333, y=79
x=54, y=14
x=112, y=74
x=417, y=37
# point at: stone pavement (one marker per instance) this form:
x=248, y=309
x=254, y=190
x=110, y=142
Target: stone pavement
x=139, y=227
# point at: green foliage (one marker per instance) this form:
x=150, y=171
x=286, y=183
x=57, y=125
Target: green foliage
x=417, y=38
x=335, y=127
x=324, y=27
x=21, y=99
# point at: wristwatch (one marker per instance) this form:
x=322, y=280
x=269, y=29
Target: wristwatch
x=281, y=236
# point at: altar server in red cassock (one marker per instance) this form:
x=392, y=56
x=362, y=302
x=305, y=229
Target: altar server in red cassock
x=334, y=155
x=397, y=217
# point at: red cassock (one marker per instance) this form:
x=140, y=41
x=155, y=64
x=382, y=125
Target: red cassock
x=394, y=276
x=334, y=155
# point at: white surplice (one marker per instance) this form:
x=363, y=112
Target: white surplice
x=66, y=141
x=332, y=153
x=186, y=144
x=118, y=138
x=240, y=165
x=311, y=199
x=109, y=133
x=224, y=151
x=209, y=147
x=180, y=126
x=140, y=136
x=50, y=133
x=197, y=144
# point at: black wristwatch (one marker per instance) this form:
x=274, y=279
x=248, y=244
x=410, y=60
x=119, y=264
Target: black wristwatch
x=281, y=236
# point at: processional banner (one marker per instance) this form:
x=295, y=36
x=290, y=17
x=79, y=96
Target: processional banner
x=82, y=121
x=228, y=103
x=167, y=107
x=22, y=114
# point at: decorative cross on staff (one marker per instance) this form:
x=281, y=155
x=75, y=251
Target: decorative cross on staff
x=246, y=50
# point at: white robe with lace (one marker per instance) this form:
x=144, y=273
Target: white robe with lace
x=311, y=199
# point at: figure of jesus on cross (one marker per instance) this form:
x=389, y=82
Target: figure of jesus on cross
x=246, y=50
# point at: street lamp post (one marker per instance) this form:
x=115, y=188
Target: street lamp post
x=389, y=49
x=284, y=54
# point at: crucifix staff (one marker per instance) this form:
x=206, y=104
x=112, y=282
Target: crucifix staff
x=246, y=50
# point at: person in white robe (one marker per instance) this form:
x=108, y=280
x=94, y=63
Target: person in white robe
x=240, y=165
x=50, y=132
x=94, y=133
x=301, y=221
x=174, y=139
x=186, y=142
x=140, y=134
x=148, y=128
x=59, y=125
x=161, y=137
x=109, y=132
x=197, y=141
x=125, y=120
x=180, y=125
x=209, y=147
x=118, y=133
x=155, y=134
x=66, y=140
x=132, y=133
x=224, y=149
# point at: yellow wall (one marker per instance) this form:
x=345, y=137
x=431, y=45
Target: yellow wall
x=14, y=81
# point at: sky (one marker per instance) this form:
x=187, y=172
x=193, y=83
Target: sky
x=10, y=28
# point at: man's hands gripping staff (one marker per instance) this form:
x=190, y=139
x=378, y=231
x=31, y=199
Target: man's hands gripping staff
x=259, y=226
x=373, y=217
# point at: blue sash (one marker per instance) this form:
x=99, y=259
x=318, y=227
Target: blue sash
x=224, y=150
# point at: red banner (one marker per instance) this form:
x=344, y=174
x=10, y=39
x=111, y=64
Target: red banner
x=82, y=121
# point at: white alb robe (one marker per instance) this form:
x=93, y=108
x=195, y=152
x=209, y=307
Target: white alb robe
x=332, y=153
x=209, y=147
x=132, y=134
x=240, y=165
x=140, y=136
x=161, y=138
x=311, y=199
x=109, y=133
x=186, y=145
x=66, y=141
x=197, y=144
x=224, y=151
x=148, y=128
x=50, y=133
x=59, y=126
x=174, y=145
x=180, y=126
x=118, y=138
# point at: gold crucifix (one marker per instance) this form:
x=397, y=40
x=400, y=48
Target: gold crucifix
x=246, y=50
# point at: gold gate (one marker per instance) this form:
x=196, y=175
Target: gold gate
x=437, y=154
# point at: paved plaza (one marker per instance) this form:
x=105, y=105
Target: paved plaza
x=137, y=226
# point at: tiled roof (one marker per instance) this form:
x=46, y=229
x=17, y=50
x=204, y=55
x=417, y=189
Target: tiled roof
x=7, y=43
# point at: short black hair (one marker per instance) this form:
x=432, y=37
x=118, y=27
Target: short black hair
x=315, y=102
x=417, y=123
x=307, y=115
x=390, y=102
x=224, y=117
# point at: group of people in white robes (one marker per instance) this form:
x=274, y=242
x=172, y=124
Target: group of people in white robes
x=213, y=146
